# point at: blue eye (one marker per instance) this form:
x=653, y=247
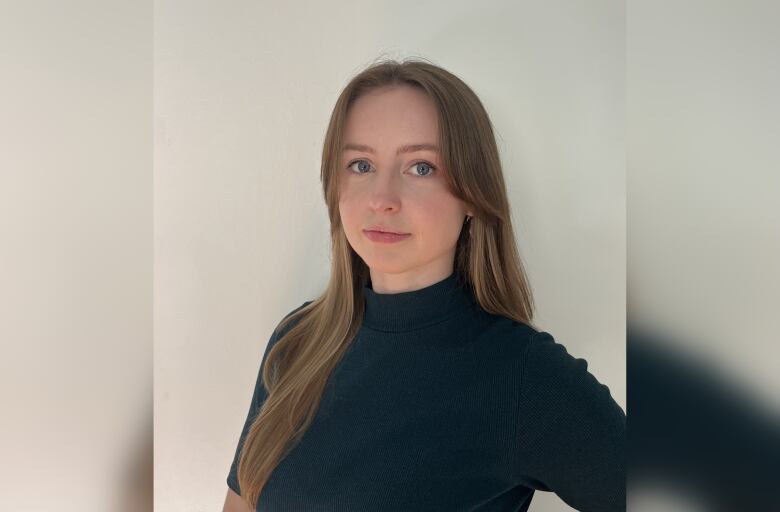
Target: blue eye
x=432, y=168
x=367, y=166
x=359, y=161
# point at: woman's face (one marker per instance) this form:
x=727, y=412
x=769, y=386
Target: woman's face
x=404, y=192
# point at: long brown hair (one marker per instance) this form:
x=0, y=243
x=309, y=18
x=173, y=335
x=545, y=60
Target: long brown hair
x=299, y=364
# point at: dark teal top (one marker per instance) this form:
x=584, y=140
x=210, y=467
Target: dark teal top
x=438, y=405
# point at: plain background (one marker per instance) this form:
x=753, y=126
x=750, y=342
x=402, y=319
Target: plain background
x=243, y=94
x=75, y=255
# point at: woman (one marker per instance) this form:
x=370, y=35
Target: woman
x=417, y=381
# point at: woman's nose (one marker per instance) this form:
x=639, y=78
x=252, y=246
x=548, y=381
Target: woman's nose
x=385, y=190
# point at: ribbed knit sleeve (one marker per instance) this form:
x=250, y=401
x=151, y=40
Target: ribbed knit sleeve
x=571, y=432
x=258, y=398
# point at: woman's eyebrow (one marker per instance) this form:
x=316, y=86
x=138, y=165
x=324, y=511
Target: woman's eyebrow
x=407, y=148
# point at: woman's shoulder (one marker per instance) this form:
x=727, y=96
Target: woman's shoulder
x=543, y=358
x=284, y=325
x=507, y=334
x=551, y=374
x=298, y=308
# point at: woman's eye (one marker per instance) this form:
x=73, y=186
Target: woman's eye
x=426, y=164
x=364, y=167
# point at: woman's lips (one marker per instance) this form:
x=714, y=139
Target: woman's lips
x=378, y=236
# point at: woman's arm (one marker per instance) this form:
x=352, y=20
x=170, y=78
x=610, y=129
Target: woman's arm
x=571, y=432
x=233, y=500
x=234, y=503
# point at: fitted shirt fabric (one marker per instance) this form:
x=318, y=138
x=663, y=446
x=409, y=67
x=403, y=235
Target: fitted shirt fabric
x=438, y=405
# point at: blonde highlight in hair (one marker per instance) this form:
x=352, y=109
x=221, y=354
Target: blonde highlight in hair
x=298, y=366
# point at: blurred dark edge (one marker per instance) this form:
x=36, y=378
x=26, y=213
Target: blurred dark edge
x=693, y=432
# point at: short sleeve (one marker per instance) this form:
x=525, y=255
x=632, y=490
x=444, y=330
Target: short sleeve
x=258, y=398
x=571, y=432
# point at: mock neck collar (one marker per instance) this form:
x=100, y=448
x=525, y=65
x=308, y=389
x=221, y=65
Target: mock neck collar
x=407, y=311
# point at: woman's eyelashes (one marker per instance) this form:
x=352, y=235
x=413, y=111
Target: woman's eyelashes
x=365, y=167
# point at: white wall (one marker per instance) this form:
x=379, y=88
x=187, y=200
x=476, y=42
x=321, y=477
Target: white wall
x=75, y=255
x=243, y=92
